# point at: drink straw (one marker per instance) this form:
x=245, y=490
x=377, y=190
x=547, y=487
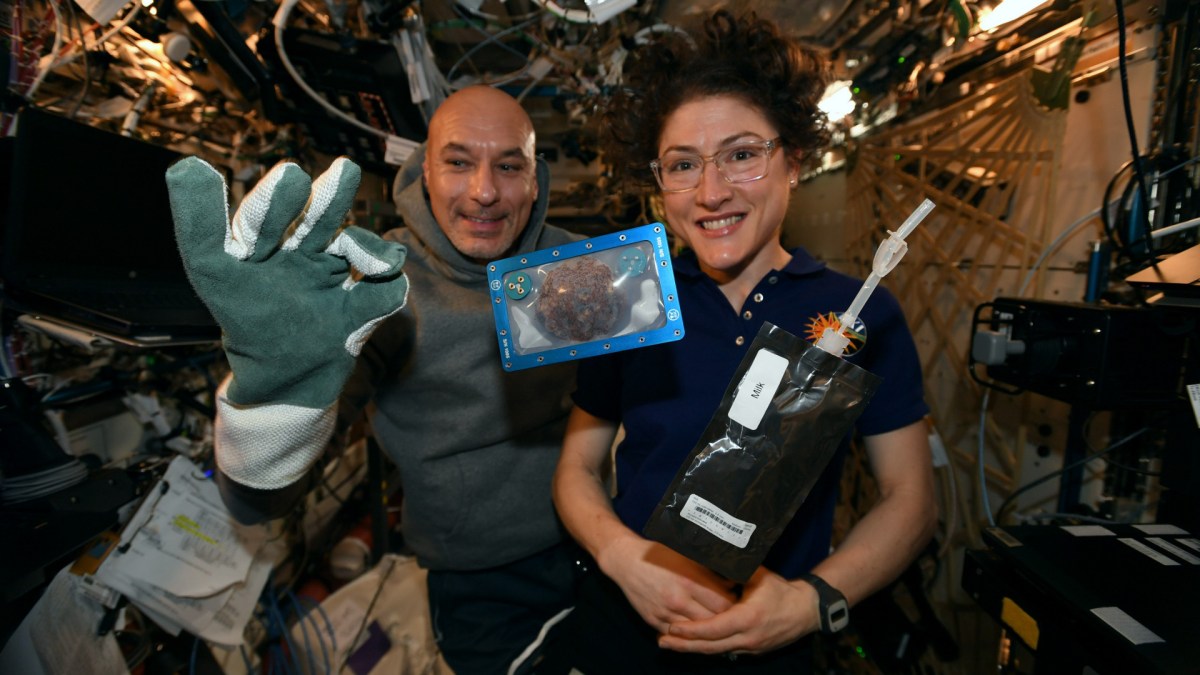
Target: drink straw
x=889, y=253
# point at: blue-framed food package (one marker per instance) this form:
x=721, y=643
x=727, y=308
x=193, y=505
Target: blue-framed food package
x=596, y=296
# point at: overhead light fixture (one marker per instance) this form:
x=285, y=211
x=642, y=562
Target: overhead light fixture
x=837, y=101
x=1006, y=11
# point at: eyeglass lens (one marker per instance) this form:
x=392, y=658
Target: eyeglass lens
x=738, y=164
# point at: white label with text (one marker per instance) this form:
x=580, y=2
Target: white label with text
x=757, y=389
x=710, y=517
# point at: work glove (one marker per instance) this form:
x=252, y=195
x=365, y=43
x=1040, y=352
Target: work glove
x=293, y=314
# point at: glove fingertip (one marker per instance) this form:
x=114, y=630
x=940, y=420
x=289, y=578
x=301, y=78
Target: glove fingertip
x=350, y=171
x=199, y=203
x=375, y=300
x=393, y=255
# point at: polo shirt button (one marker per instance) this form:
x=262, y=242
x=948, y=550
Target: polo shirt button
x=746, y=315
x=772, y=280
x=758, y=297
x=740, y=341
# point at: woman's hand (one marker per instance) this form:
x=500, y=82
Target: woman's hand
x=664, y=586
x=770, y=614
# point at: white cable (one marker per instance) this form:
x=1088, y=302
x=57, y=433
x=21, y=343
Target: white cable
x=116, y=28
x=1062, y=236
x=537, y=641
x=59, y=27
x=1177, y=227
x=983, y=489
x=280, y=20
x=952, y=518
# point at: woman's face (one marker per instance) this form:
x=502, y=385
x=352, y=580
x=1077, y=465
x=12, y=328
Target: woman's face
x=730, y=226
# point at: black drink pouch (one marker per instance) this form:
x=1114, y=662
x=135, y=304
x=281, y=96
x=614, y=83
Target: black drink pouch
x=786, y=410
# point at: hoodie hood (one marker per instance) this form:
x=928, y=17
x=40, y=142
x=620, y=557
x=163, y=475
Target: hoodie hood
x=412, y=203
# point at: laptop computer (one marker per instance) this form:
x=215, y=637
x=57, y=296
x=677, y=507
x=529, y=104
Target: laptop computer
x=88, y=238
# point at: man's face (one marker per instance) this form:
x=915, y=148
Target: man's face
x=480, y=172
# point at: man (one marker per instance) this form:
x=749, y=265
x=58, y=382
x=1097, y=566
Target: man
x=476, y=446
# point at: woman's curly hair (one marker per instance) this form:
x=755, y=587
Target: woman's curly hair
x=744, y=56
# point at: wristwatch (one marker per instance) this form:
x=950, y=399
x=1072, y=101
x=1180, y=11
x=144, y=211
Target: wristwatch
x=835, y=611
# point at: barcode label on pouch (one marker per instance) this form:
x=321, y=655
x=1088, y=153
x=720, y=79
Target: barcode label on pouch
x=710, y=517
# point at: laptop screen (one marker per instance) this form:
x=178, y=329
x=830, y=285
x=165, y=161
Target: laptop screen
x=88, y=234
x=87, y=204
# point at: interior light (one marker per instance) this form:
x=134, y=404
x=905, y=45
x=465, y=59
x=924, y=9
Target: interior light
x=837, y=101
x=1006, y=11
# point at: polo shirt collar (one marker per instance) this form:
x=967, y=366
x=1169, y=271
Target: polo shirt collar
x=686, y=265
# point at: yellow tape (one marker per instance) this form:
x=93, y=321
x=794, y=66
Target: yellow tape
x=1019, y=620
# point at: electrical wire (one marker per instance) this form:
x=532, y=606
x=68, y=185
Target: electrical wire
x=951, y=512
x=1175, y=229
x=1115, y=231
x=1053, y=246
x=486, y=35
x=277, y=627
x=983, y=488
x=328, y=624
x=367, y=615
x=1103, y=212
x=87, y=62
x=302, y=617
x=1054, y=474
x=1122, y=68
x=115, y=28
x=492, y=39
x=1111, y=231
x=58, y=41
x=1132, y=469
x=1086, y=431
x=280, y=21
x=246, y=659
x=303, y=623
x=56, y=62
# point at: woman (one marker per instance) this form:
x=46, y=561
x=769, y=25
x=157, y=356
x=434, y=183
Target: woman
x=722, y=122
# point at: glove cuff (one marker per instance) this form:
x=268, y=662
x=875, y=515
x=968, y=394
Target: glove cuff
x=269, y=446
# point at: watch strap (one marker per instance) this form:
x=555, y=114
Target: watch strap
x=834, y=610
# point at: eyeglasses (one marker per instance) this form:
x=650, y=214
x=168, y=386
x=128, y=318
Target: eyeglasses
x=741, y=163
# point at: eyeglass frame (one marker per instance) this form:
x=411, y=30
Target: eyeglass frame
x=770, y=144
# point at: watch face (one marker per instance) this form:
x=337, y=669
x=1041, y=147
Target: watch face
x=838, y=615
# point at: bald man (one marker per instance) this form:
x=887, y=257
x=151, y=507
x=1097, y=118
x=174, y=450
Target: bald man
x=476, y=446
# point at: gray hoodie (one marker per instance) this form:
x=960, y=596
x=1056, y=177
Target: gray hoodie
x=476, y=446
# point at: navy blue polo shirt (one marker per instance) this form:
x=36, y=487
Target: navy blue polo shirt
x=666, y=394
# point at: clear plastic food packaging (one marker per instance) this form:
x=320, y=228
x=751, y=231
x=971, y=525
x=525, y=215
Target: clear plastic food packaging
x=596, y=296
